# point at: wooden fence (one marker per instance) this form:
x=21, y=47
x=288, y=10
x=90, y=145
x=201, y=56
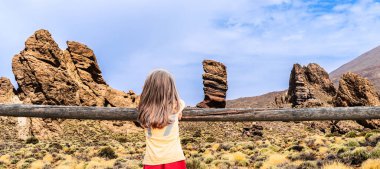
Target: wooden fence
x=194, y=114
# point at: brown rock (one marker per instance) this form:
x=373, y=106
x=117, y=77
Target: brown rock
x=355, y=90
x=41, y=73
x=118, y=98
x=215, y=85
x=310, y=84
x=48, y=75
x=8, y=96
x=7, y=91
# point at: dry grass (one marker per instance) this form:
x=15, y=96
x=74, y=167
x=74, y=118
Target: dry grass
x=274, y=160
x=371, y=164
x=283, y=145
x=336, y=165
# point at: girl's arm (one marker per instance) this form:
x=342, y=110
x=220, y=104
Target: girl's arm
x=182, y=103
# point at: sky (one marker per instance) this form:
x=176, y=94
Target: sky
x=258, y=40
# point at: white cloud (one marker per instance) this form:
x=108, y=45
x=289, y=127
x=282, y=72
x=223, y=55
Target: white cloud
x=258, y=40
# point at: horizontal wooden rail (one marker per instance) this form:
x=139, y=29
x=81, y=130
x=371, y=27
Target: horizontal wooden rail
x=193, y=114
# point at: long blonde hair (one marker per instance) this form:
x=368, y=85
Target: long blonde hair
x=158, y=100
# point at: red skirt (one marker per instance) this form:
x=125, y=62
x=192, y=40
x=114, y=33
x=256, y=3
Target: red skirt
x=174, y=165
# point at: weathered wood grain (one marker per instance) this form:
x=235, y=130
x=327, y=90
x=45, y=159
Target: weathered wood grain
x=193, y=114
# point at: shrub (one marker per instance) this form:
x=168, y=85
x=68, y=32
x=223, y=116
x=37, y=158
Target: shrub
x=274, y=160
x=367, y=135
x=121, y=139
x=335, y=165
x=353, y=143
x=31, y=140
x=375, y=153
x=55, y=146
x=198, y=133
x=194, y=164
x=222, y=163
x=307, y=165
x=296, y=148
x=356, y=156
x=351, y=134
x=184, y=141
x=373, y=140
x=240, y=159
x=107, y=152
x=210, y=139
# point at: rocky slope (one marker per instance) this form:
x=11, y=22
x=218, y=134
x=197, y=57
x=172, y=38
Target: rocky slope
x=366, y=65
x=263, y=101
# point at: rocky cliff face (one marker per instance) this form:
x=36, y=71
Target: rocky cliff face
x=215, y=85
x=48, y=75
x=355, y=90
x=310, y=86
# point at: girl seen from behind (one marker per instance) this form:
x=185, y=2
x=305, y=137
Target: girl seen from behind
x=159, y=109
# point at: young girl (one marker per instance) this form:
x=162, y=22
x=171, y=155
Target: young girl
x=160, y=109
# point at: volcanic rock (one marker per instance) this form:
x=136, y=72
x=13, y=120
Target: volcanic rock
x=254, y=130
x=355, y=90
x=215, y=85
x=50, y=76
x=8, y=96
x=310, y=86
x=7, y=91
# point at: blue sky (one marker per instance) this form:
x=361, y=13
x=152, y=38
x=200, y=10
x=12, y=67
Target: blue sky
x=258, y=40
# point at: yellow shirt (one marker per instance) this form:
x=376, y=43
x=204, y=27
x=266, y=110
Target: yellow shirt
x=164, y=145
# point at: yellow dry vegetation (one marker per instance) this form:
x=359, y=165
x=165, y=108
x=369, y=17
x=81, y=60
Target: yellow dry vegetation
x=6, y=159
x=371, y=164
x=274, y=160
x=39, y=164
x=335, y=165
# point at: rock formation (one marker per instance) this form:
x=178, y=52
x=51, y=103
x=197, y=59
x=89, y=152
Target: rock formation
x=355, y=90
x=8, y=96
x=7, y=91
x=48, y=75
x=310, y=86
x=215, y=85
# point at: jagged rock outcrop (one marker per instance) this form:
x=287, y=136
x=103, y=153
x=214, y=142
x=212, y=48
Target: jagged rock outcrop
x=8, y=96
x=7, y=91
x=355, y=90
x=215, y=85
x=310, y=86
x=48, y=75
x=281, y=100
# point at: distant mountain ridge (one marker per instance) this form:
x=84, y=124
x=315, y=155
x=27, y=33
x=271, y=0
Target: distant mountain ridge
x=366, y=65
